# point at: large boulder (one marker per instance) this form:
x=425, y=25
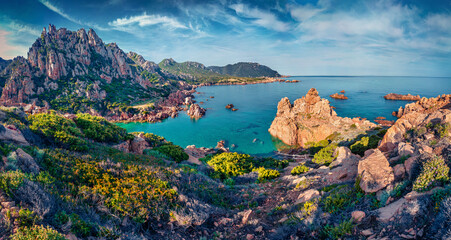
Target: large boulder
x=13, y=135
x=311, y=119
x=344, y=167
x=375, y=172
x=138, y=145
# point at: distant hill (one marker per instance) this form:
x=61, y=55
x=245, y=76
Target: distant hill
x=4, y=63
x=190, y=71
x=245, y=69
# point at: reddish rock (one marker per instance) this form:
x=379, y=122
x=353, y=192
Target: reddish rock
x=405, y=97
x=310, y=119
x=138, y=145
x=357, y=216
x=12, y=136
x=229, y=106
x=375, y=172
x=344, y=167
x=405, y=149
x=234, y=109
x=410, y=165
x=123, y=146
x=195, y=111
x=338, y=96
x=399, y=171
x=342, y=91
x=307, y=196
x=385, y=123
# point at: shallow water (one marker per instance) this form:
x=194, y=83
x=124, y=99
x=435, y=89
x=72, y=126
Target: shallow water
x=247, y=128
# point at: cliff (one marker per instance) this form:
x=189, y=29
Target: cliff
x=312, y=119
x=245, y=69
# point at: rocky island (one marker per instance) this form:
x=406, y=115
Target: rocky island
x=312, y=119
x=338, y=96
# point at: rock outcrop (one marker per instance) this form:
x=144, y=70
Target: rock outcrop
x=375, y=172
x=404, y=97
x=311, y=119
x=417, y=115
x=195, y=111
x=338, y=96
x=425, y=105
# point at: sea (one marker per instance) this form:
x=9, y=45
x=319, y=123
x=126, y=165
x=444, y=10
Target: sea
x=246, y=130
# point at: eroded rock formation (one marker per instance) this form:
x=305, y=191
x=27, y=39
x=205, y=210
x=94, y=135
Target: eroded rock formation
x=404, y=97
x=311, y=119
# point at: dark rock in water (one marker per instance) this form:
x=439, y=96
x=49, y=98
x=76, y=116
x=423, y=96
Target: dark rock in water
x=229, y=106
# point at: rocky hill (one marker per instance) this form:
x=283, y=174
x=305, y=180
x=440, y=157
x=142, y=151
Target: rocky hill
x=245, y=69
x=193, y=72
x=75, y=71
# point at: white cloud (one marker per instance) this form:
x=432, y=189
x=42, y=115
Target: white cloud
x=147, y=20
x=439, y=22
x=263, y=19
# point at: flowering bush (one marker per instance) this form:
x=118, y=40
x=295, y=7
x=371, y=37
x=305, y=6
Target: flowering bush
x=231, y=164
x=433, y=172
x=37, y=232
x=299, y=170
x=266, y=174
x=325, y=155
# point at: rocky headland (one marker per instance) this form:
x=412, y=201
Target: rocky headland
x=312, y=119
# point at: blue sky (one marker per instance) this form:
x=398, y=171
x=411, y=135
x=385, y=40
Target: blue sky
x=324, y=37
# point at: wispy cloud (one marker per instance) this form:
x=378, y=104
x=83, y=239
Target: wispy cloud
x=147, y=20
x=21, y=28
x=59, y=11
x=261, y=18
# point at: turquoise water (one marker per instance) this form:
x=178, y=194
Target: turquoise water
x=247, y=128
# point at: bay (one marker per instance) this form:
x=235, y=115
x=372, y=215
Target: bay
x=248, y=127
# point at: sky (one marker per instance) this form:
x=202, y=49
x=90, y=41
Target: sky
x=311, y=37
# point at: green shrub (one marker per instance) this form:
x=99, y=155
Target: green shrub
x=325, y=156
x=81, y=228
x=61, y=218
x=11, y=180
x=443, y=129
x=154, y=140
x=315, y=147
x=100, y=130
x=337, y=232
x=27, y=218
x=37, y=233
x=5, y=149
x=433, y=172
x=175, y=152
x=58, y=129
x=228, y=165
x=155, y=154
x=341, y=198
x=299, y=170
x=266, y=174
x=365, y=143
x=270, y=162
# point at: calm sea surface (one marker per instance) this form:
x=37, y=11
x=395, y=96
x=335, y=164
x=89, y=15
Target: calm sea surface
x=247, y=128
